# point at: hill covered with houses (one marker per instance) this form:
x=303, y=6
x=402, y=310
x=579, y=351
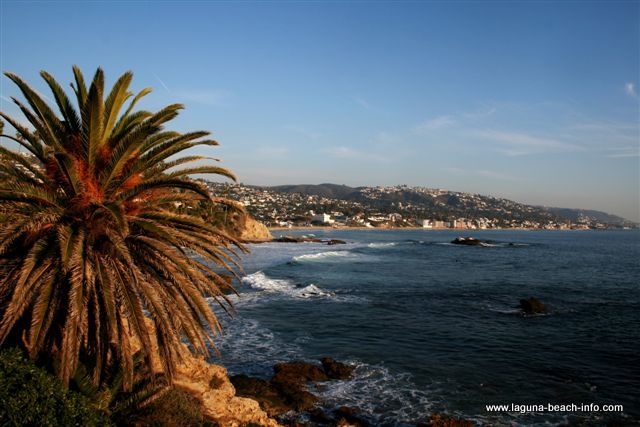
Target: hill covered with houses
x=403, y=206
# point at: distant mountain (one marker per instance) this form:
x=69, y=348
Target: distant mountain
x=577, y=215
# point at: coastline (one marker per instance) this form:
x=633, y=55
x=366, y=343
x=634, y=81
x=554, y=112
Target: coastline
x=351, y=228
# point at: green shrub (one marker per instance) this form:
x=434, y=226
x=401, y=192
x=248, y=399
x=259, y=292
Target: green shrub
x=31, y=396
x=175, y=408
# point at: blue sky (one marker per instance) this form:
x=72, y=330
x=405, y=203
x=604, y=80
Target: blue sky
x=533, y=101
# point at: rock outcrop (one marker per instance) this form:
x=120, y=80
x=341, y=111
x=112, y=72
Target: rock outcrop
x=468, y=241
x=532, y=306
x=336, y=370
x=346, y=416
x=336, y=242
x=297, y=239
x=306, y=239
x=210, y=384
x=443, y=420
x=287, y=390
x=254, y=231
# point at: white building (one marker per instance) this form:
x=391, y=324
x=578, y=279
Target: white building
x=322, y=219
x=426, y=223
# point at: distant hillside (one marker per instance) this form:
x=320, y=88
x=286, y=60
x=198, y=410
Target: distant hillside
x=330, y=191
x=444, y=203
x=580, y=214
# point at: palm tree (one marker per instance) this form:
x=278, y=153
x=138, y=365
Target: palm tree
x=96, y=258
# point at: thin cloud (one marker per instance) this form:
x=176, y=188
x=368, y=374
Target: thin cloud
x=436, y=123
x=519, y=144
x=363, y=103
x=386, y=140
x=624, y=153
x=343, y=152
x=348, y=153
x=495, y=175
x=303, y=131
x=272, y=151
x=630, y=89
x=480, y=113
x=482, y=173
x=458, y=120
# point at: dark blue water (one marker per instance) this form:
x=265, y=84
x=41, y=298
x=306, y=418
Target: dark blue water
x=433, y=327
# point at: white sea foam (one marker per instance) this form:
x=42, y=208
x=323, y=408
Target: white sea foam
x=323, y=256
x=248, y=347
x=383, y=396
x=382, y=245
x=261, y=281
x=312, y=291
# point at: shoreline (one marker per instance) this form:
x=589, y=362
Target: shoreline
x=351, y=228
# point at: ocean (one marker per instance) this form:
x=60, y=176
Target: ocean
x=434, y=327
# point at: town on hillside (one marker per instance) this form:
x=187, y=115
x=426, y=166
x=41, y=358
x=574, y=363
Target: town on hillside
x=401, y=206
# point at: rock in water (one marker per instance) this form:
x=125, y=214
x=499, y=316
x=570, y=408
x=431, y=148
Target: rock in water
x=532, y=306
x=336, y=370
x=287, y=390
x=298, y=372
x=336, y=242
x=469, y=241
x=443, y=420
x=295, y=239
x=349, y=417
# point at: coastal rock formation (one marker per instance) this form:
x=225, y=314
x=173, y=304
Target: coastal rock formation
x=287, y=390
x=443, y=420
x=336, y=242
x=305, y=239
x=295, y=239
x=274, y=398
x=254, y=231
x=268, y=396
x=469, y=241
x=211, y=386
x=336, y=370
x=298, y=372
x=346, y=416
x=532, y=306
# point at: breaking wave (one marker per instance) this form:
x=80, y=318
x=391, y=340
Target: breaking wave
x=261, y=281
x=323, y=256
x=381, y=245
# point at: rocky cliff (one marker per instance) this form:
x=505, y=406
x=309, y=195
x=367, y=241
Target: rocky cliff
x=254, y=231
x=210, y=384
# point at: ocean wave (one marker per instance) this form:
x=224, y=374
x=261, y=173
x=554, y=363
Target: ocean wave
x=312, y=291
x=261, y=281
x=323, y=256
x=247, y=347
x=381, y=245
